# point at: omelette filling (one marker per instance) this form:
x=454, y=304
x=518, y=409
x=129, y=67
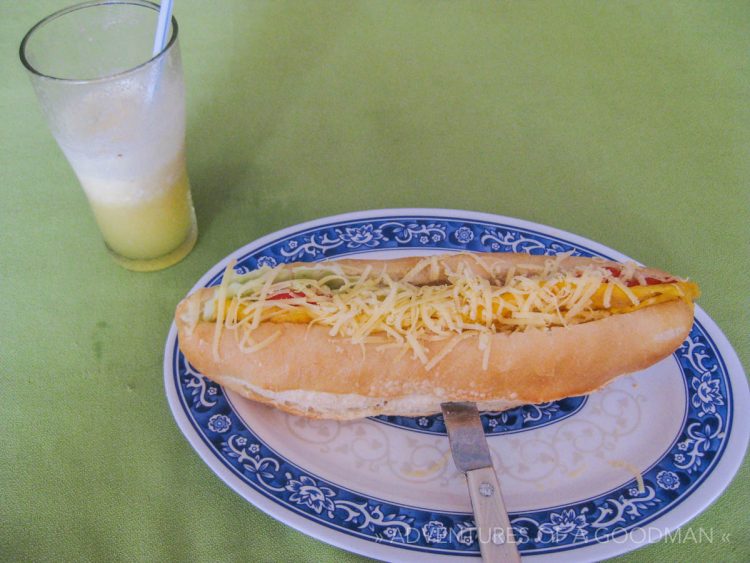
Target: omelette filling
x=370, y=308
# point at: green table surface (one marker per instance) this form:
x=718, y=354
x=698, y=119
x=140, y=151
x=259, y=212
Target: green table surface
x=625, y=122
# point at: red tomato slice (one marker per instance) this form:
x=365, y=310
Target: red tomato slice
x=285, y=295
x=616, y=272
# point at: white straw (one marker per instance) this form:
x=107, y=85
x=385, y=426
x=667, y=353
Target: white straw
x=162, y=26
x=160, y=41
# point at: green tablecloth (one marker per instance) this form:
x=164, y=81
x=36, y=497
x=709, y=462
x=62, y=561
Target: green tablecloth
x=625, y=122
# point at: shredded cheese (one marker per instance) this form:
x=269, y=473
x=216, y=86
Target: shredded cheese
x=447, y=349
x=221, y=302
x=263, y=343
x=371, y=307
x=633, y=470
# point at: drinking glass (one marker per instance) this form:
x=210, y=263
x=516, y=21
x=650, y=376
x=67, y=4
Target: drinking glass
x=118, y=114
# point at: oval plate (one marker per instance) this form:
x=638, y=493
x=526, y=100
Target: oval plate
x=588, y=478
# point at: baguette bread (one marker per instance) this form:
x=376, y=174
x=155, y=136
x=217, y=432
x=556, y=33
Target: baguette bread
x=305, y=369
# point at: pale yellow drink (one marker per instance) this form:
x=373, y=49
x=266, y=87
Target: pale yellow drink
x=118, y=114
x=145, y=229
x=152, y=233
x=132, y=168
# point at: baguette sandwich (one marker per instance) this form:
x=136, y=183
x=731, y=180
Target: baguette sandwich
x=354, y=338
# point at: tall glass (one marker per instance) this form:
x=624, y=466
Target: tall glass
x=118, y=114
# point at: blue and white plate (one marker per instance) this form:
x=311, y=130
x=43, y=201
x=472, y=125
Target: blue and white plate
x=589, y=477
